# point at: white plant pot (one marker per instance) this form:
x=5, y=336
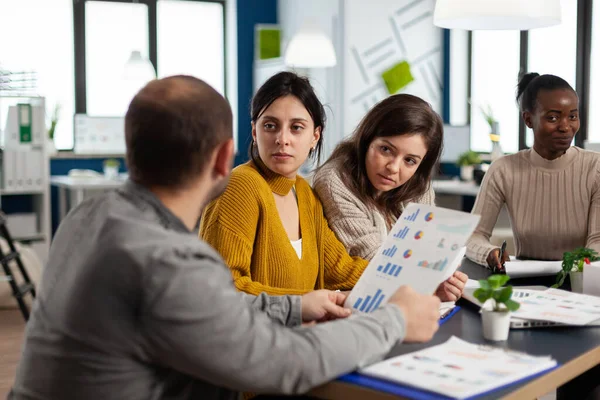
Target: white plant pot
x=576, y=281
x=496, y=324
x=111, y=172
x=466, y=172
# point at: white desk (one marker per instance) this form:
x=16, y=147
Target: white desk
x=78, y=187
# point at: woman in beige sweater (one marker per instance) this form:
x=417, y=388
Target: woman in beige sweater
x=552, y=191
x=384, y=165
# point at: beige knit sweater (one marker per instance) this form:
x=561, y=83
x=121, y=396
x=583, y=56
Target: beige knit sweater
x=554, y=206
x=361, y=228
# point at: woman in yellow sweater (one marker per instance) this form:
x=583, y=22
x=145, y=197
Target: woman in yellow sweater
x=268, y=224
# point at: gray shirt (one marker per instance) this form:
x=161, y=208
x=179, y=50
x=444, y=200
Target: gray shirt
x=134, y=306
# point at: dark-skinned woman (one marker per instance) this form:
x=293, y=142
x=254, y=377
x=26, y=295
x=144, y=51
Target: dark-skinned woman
x=552, y=191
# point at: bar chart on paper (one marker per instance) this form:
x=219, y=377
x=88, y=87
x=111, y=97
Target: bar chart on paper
x=402, y=233
x=413, y=216
x=390, y=269
x=369, y=303
x=390, y=252
x=436, y=266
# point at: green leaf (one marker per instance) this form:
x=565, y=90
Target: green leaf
x=504, y=294
x=497, y=281
x=484, y=284
x=482, y=295
x=512, y=305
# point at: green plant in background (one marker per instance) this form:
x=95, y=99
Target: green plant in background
x=468, y=158
x=574, y=261
x=493, y=288
x=488, y=115
x=111, y=162
x=54, y=121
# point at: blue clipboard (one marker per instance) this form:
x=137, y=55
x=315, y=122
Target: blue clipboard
x=415, y=393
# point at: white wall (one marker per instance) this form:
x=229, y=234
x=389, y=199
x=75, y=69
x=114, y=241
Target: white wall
x=326, y=81
x=369, y=37
x=380, y=34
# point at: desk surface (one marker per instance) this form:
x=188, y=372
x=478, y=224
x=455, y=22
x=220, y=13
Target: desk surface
x=90, y=183
x=576, y=349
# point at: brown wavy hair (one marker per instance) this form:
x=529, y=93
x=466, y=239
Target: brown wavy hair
x=401, y=114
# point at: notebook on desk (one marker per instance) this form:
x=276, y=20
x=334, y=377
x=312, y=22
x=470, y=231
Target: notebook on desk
x=520, y=292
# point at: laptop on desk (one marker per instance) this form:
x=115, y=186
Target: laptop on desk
x=520, y=323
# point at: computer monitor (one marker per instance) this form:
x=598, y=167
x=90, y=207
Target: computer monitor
x=457, y=140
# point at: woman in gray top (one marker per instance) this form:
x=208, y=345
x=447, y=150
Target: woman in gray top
x=371, y=176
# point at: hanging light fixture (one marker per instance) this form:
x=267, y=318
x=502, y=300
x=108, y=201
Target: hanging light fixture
x=139, y=68
x=496, y=14
x=310, y=48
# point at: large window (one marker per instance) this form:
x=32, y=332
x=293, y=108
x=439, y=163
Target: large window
x=37, y=35
x=544, y=46
x=112, y=32
x=594, y=107
x=495, y=70
x=191, y=40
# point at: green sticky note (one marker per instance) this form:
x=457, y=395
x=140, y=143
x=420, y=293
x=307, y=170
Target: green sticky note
x=397, y=77
x=269, y=43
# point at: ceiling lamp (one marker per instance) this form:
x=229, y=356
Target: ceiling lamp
x=496, y=14
x=310, y=48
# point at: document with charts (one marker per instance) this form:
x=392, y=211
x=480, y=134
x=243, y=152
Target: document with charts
x=560, y=306
x=423, y=249
x=459, y=369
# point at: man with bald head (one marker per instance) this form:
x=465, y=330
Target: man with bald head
x=133, y=306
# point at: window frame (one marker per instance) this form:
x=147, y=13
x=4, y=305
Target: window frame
x=79, y=41
x=582, y=67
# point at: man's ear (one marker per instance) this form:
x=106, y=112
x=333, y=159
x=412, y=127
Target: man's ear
x=527, y=119
x=224, y=159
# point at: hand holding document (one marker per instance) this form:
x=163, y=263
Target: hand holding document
x=459, y=369
x=422, y=250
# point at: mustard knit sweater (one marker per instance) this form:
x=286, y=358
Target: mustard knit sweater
x=243, y=224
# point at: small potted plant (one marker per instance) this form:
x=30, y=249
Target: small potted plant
x=111, y=168
x=488, y=115
x=572, y=265
x=52, y=129
x=496, y=306
x=467, y=161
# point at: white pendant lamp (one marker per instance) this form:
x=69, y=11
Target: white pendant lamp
x=139, y=68
x=310, y=48
x=496, y=14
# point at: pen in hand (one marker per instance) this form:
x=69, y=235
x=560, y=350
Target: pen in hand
x=499, y=267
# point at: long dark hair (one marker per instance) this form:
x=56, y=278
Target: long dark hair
x=286, y=84
x=401, y=114
x=530, y=85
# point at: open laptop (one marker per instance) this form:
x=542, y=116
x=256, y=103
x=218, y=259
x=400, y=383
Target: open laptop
x=519, y=293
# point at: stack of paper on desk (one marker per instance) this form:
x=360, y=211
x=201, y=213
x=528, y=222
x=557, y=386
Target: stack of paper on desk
x=422, y=250
x=529, y=268
x=459, y=369
x=560, y=306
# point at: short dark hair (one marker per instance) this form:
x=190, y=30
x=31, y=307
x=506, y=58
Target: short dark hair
x=530, y=85
x=288, y=84
x=171, y=128
x=401, y=114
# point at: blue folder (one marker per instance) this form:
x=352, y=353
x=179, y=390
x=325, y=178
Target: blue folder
x=415, y=393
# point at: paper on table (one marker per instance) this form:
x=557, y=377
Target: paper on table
x=424, y=248
x=559, y=306
x=527, y=268
x=459, y=369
